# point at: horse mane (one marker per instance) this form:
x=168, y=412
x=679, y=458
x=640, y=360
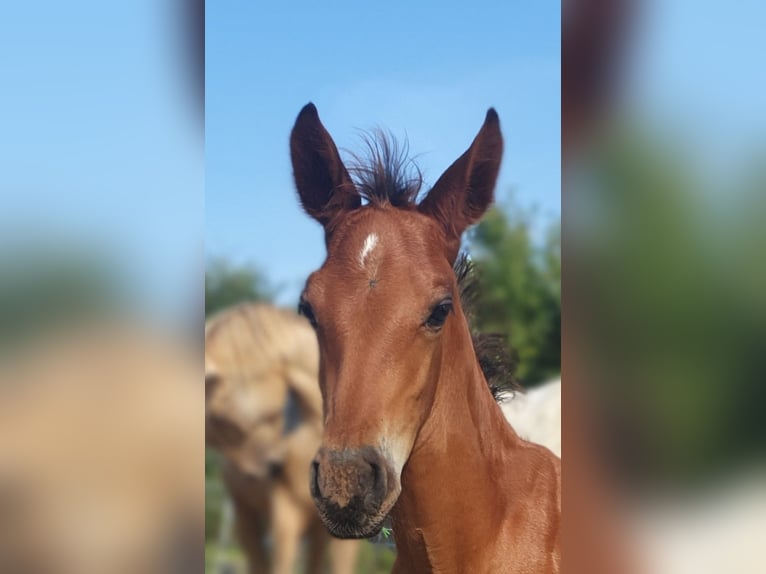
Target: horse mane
x=497, y=361
x=385, y=174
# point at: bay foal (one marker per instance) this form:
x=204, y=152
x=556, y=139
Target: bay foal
x=411, y=427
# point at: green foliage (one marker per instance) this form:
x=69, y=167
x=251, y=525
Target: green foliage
x=214, y=494
x=48, y=286
x=672, y=268
x=375, y=559
x=520, y=288
x=227, y=284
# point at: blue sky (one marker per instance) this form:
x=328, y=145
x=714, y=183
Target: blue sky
x=98, y=145
x=698, y=72
x=424, y=70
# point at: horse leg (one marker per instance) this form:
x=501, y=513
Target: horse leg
x=318, y=539
x=288, y=524
x=343, y=554
x=251, y=534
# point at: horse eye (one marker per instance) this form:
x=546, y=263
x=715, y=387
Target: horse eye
x=439, y=315
x=305, y=309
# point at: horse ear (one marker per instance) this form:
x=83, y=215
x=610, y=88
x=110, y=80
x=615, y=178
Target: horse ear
x=465, y=191
x=324, y=185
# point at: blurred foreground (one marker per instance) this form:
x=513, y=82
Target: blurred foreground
x=101, y=435
x=101, y=453
x=664, y=292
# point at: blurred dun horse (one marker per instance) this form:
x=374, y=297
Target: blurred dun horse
x=263, y=414
x=411, y=427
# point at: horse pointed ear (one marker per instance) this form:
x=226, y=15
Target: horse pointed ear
x=324, y=185
x=465, y=191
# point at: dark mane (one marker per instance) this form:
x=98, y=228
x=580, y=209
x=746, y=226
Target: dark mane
x=385, y=175
x=496, y=360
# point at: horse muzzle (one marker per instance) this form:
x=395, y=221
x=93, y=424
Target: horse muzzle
x=352, y=489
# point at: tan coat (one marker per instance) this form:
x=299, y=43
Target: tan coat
x=257, y=358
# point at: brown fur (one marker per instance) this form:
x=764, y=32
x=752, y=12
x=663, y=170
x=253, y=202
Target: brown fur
x=254, y=356
x=408, y=412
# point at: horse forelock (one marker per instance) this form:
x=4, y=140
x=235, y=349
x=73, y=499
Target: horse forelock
x=385, y=174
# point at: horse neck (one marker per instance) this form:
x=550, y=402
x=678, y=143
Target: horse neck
x=457, y=466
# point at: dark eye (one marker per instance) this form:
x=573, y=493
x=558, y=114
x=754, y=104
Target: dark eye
x=439, y=315
x=305, y=309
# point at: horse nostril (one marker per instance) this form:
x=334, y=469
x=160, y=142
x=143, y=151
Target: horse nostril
x=378, y=479
x=315, y=479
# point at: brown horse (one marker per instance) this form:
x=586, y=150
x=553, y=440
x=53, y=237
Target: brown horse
x=411, y=428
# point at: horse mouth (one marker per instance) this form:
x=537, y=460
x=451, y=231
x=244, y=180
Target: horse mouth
x=356, y=533
x=349, y=522
x=360, y=518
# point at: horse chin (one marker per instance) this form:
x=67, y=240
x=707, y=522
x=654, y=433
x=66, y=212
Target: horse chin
x=359, y=534
x=359, y=525
x=355, y=531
